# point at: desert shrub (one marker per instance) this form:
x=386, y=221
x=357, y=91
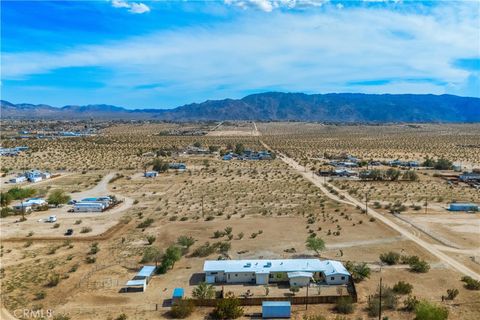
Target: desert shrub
x=94, y=248
x=171, y=256
x=420, y=266
x=470, y=283
x=314, y=317
x=78, y=221
x=344, y=305
x=90, y=259
x=145, y=223
x=389, y=301
x=402, y=287
x=409, y=259
x=410, y=303
x=123, y=316
x=182, y=308
x=150, y=239
x=205, y=250
x=85, y=230
x=203, y=291
x=61, y=317
x=53, y=280
x=358, y=271
x=185, y=241
x=390, y=258
x=452, y=294
x=227, y=308
x=426, y=310
x=40, y=295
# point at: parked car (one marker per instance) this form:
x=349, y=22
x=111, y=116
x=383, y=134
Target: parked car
x=69, y=232
x=52, y=219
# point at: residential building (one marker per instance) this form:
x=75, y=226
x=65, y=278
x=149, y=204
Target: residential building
x=297, y=272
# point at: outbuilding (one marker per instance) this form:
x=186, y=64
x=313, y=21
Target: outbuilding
x=150, y=174
x=178, y=294
x=463, y=207
x=88, y=207
x=276, y=309
x=19, y=179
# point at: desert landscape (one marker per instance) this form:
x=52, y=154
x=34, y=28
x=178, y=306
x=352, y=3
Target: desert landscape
x=239, y=209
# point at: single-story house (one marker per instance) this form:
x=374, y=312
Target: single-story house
x=30, y=204
x=298, y=272
x=150, y=174
x=19, y=179
x=463, y=207
x=36, y=175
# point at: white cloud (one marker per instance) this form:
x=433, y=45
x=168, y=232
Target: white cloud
x=133, y=7
x=120, y=4
x=138, y=8
x=270, y=5
x=312, y=52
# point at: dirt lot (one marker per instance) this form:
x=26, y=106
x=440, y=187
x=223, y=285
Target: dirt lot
x=265, y=198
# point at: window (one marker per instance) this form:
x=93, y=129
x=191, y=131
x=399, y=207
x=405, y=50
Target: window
x=332, y=278
x=236, y=274
x=212, y=273
x=343, y=278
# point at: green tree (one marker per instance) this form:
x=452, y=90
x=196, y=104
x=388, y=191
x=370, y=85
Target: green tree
x=228, y=308
x=5, y=199
x=57, y=197
x=239, y=148
x=203, y=291
x=358, y=271
x=159, y=165
x=390, y=258
x=393, y=174
x=315, y=244
x=426, y=310
x=443, y=164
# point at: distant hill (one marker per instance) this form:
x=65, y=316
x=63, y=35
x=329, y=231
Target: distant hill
x=279, y=106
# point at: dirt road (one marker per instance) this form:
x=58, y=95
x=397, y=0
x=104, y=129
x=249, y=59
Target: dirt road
x=431, y=248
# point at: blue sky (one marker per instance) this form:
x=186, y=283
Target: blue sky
x=162, y=54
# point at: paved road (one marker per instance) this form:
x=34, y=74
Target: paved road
x=431, y=248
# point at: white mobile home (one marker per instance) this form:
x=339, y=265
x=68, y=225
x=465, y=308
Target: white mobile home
x=88, y=207
x=298, y=272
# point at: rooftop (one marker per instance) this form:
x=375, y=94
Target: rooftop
x=276, y=265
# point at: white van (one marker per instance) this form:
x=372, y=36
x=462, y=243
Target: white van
x=52, y=219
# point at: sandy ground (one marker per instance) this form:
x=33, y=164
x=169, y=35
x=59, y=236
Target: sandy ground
x=99, y=222
x=308, y=174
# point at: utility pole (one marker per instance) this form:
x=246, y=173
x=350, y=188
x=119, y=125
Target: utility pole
x=366, y=202
x=203, y=214
x=380, y=299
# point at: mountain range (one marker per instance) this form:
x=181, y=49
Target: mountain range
x=277, y=106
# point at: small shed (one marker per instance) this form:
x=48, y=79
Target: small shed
x=150, y=174
x=178, y=294
x=276, y=309
x=137, y=285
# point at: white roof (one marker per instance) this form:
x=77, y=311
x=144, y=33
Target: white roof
x=299, y=274
x=135, y=283
x=275, y=265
